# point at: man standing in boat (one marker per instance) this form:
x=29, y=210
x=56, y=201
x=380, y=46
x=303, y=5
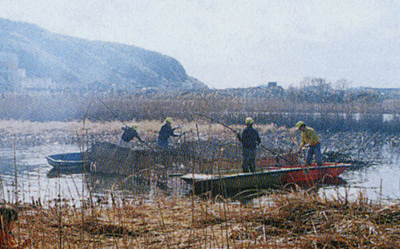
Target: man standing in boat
x=310, y=139
x=249, y=139
x=164, y=134
x=129, y=134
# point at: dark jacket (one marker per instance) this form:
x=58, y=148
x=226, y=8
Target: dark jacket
x=166, y=132
x=129, y=134
x=249, y=138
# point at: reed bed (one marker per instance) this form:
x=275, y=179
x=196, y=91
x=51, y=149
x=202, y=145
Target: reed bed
x=298, y=219
x=220, y=141
x=350, y=116
x=286, y=220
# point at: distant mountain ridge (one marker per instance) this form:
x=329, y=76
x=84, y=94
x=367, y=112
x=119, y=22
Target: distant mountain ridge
x=71, y=61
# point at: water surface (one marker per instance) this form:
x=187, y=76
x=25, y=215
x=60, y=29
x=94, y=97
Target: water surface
x=24, y=178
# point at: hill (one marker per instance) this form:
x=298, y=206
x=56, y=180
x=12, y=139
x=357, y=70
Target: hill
x=81, y=64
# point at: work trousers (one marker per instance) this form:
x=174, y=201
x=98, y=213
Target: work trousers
x=249, y=160
x=314, y=150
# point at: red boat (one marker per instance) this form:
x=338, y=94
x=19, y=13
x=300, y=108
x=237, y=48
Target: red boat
x=270, y=177
x=310, y=174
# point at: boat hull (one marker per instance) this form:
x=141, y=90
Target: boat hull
x=234, y=182
x=272, y=177
x=310, y=174
x=69, y=162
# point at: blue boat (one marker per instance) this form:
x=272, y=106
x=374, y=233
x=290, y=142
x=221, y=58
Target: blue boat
x=69, y=162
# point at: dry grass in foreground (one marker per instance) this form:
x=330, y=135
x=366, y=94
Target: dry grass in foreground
x=294, y=220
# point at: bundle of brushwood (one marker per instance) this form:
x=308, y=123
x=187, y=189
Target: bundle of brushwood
x=109, y=158
x=198, y=156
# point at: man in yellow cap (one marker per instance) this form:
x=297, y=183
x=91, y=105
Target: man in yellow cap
x=310, y=139
x=249, y=139
x=129, y=134
x=164, y=134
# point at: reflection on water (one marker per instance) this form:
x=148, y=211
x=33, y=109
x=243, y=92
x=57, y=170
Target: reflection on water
x=23, y=172
x=24, y=178
x=126, y=186
x=379, y=182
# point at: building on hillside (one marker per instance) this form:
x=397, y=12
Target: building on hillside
x=14, y=79
x=9, y=77
x=37, y=84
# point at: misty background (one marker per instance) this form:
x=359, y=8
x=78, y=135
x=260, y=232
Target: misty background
x=240, y=43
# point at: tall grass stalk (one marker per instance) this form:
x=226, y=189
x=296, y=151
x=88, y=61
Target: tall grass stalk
x=15, y=189
x=299, y=219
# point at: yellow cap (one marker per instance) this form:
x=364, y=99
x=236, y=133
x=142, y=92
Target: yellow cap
x=249, y=120
x=169, y=120
x=300, y=123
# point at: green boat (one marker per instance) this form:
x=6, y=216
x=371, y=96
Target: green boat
x=273, y=177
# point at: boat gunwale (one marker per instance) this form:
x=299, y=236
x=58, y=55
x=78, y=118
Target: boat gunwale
x=190, y=176
x=60, y=161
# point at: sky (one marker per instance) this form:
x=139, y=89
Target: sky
x=240, y=43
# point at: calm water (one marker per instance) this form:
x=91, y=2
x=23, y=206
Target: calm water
x=24, y=175
x=380, y=182
x=24, y=178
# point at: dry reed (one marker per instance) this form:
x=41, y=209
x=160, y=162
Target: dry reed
x=288, y=220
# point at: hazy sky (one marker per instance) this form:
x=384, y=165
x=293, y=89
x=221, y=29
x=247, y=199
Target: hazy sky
x=240, y=43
